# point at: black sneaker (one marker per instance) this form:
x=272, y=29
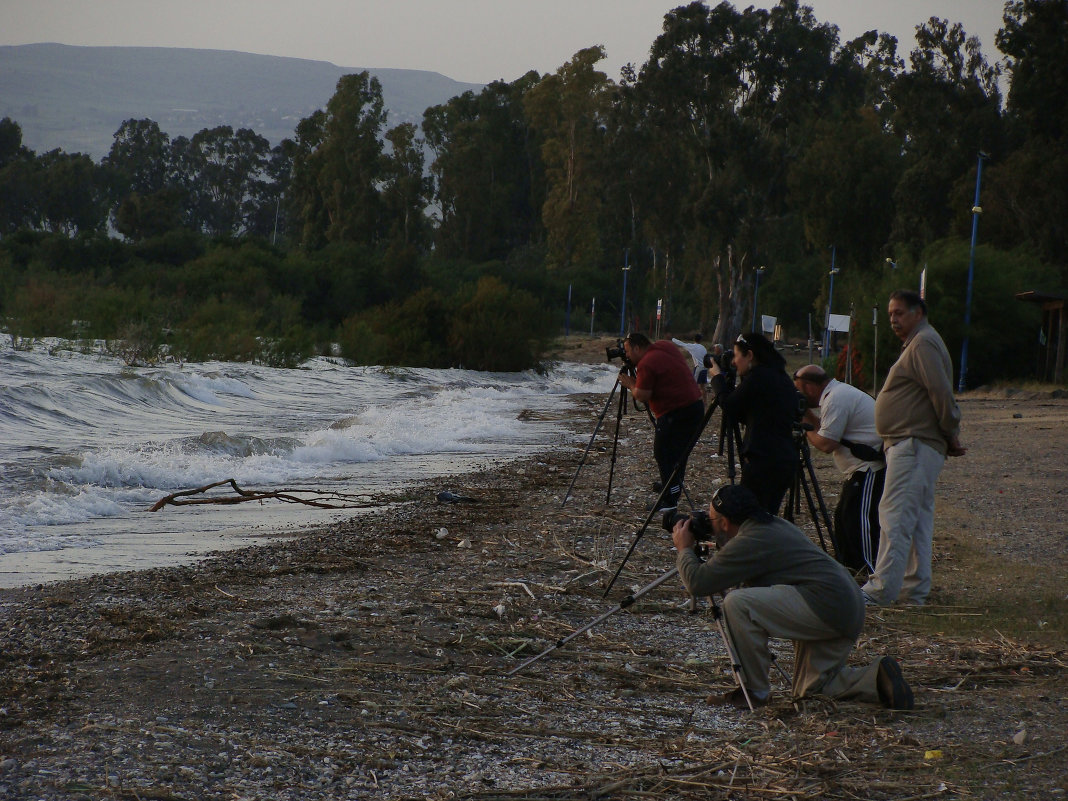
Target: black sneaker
x=894, y=691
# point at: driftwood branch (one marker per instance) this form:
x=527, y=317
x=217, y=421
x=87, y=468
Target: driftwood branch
x=320, y=500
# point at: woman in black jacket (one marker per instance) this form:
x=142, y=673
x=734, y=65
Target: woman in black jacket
x=768, y=405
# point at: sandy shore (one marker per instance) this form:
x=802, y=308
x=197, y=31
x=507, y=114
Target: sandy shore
x=368, y=659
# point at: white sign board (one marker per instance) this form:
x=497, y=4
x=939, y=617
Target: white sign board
x=767, y=324
x=839, y=322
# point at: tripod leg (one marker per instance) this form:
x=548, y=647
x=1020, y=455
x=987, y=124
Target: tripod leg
x=736, y=666
x=630, y=599
x=589, y=445
x=660, y=497
x=819, y=497
x=615, y=444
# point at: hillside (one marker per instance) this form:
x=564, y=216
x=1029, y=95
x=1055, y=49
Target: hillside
x=75, y=98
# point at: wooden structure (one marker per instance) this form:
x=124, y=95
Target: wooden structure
x=1053, y=345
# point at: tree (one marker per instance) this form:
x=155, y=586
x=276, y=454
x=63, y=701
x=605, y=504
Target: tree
x=73, y=193
x=488, y=176
x=227, y=178
x=737, y=94
x=339, y=167
x=946, y=110
x=568, y=109
x=1031, y=187
x=407, y=190
x=140, y=154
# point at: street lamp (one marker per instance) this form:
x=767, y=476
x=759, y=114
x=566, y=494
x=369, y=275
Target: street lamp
x=756, y=292
x=830, y=301
x=976, y=211
x=623, y=306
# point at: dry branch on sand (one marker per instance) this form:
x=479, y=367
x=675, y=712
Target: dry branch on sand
x=316, y=498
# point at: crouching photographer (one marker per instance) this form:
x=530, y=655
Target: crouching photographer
x=663, y=380
x=793, y=591
x=767, y=404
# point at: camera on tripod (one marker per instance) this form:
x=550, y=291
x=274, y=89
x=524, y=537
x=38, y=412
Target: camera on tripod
x=617, y=352
x=725, y=362
x=700, y=523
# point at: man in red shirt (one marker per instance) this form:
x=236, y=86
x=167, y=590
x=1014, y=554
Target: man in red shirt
x=663, y=380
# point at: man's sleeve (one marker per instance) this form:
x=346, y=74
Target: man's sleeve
x=833, y=419
x=937, y=377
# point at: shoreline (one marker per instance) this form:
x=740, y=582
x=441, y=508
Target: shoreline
x=366, y=659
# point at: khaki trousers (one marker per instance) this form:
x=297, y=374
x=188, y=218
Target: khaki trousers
x=756, y=614
x=906, y=522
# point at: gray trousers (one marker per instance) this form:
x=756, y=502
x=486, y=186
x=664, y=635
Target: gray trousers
x=756, y=614
x=906, y=523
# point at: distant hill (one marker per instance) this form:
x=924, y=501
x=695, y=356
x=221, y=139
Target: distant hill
x=75, y=98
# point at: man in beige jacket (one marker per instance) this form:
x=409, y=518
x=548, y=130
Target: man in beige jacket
x=919, y=421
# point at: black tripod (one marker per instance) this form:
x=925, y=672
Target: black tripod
x=655, y=509
x=805, y=479
x=622, y=410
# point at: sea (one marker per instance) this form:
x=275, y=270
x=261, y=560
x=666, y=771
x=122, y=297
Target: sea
x=88, y=444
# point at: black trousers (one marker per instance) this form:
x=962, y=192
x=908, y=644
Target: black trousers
x=769, y=480
x=856, y=519
x=672, y=441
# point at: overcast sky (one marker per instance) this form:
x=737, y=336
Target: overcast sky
x=475, y=41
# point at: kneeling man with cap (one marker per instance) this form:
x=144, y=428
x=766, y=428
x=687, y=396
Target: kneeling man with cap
x=792, y=591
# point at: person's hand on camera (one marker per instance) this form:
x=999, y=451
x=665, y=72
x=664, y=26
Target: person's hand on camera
x=682, y=536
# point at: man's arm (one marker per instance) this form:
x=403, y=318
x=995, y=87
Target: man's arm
x=630, y=382
x=938, y=380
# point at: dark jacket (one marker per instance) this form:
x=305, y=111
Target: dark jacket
x=768, y=404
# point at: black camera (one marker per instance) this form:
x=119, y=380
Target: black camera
x=700, y=523
x=617, y=352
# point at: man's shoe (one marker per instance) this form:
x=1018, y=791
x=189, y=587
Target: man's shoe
x=868, y=600
x=736, y=699
x=894, y=691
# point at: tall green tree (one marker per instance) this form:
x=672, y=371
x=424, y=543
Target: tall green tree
x=1027, y=194
x=73, y=193
x=737, y=92
x=227, y=176
x=946, y=110
x=407, y=189
x=488, y=175
x=569, y=109
x=339, y=166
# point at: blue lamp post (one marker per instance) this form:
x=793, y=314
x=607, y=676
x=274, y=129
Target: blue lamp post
x=623, y=306
x=756, y=292
x=830, y=303
x=976, y=211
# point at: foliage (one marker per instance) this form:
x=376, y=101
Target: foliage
x=750, y=138
x=483, y=334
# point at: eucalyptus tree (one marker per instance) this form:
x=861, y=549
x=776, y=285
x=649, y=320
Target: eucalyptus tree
x=227, y=178
x=339, y=166
x=1031, y=187
x=19, y=180
x=407, y=189
x=568, y=108
x=487, y=171
x=737, y=92
x=73, y=193
x=946, y=110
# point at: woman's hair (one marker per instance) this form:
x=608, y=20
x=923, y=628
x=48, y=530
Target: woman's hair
x=763, y=351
